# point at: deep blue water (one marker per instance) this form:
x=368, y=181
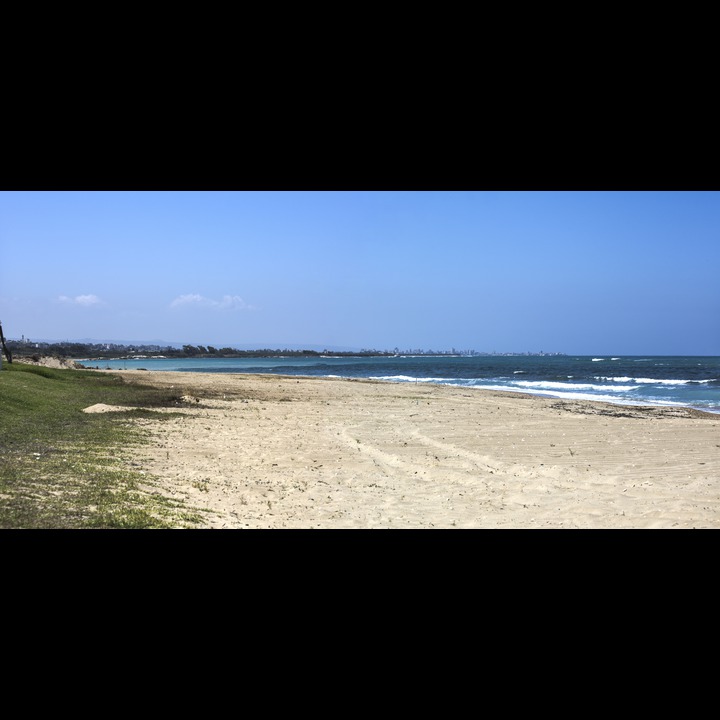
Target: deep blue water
x=645, y=380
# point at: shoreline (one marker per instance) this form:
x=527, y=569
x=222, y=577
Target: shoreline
x=286, y=451
x=476, y=388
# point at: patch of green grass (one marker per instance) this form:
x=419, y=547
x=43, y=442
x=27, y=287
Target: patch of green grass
x=62, y=468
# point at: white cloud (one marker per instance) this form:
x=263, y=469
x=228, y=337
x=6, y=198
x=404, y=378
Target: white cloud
x=83, y=300
x=233, y=302
x=188, y=300
x=228, y=302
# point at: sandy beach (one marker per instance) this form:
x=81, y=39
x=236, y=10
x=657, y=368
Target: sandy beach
x=269, y=451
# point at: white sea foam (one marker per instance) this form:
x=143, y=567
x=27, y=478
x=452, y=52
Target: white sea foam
x=598, y=359
x=650, y=381
x=566, y=395
x=610, y=399
x=408, y=378
x=657, y=381
x=502, y=388
x=543, y=385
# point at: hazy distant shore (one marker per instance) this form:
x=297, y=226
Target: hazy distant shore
x=274, y=451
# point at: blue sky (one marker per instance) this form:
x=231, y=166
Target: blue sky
x=578, y=272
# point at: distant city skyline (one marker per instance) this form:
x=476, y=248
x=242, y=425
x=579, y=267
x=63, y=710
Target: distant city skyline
x=576, y=272
x=157, y=345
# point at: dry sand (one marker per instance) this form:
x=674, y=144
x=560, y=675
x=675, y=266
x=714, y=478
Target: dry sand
x=268, y=451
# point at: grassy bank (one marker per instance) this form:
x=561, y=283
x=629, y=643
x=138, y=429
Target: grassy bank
x=63, y=468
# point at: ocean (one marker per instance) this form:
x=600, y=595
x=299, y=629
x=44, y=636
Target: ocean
x=640, y=380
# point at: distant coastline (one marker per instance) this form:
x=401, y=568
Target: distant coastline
x=115, y=351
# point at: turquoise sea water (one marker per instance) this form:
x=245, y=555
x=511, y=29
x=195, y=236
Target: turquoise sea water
x=640, y=380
